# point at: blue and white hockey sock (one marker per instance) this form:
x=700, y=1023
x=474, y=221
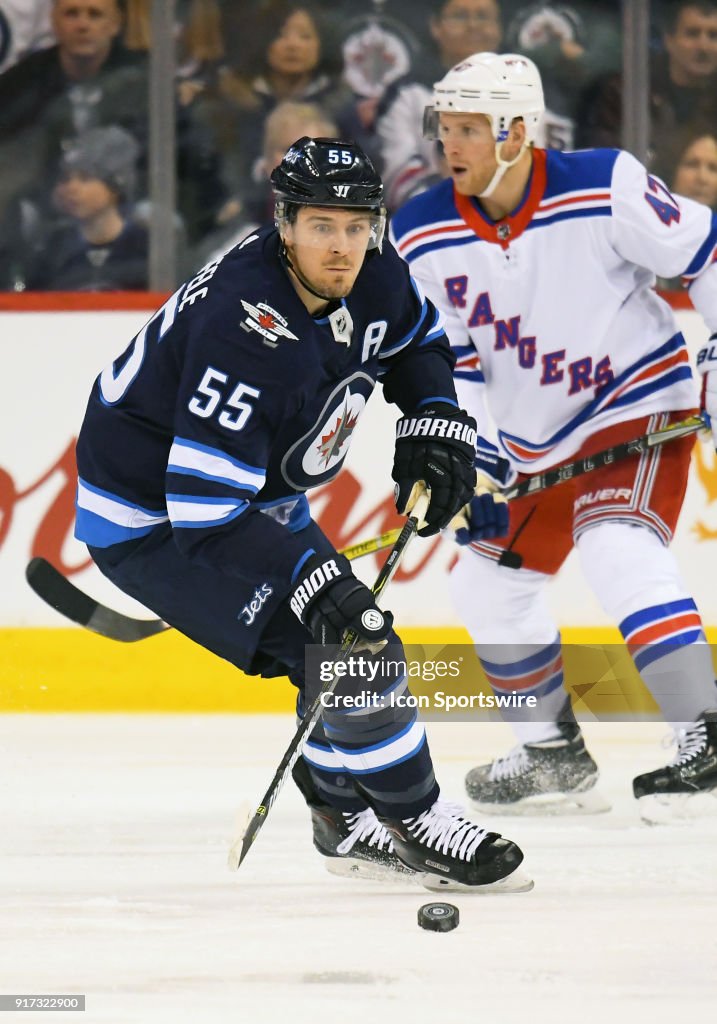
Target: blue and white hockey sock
x=530, y=670
x=383, y=750
x=671, y=653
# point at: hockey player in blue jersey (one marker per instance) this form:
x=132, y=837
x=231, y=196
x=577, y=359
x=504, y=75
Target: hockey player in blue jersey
x=543, y=265
x=239, y=395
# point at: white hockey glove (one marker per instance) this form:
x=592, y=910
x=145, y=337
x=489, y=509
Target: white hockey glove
x=707, y=366
x=486, y=515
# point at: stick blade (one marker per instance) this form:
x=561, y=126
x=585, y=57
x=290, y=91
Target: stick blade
x=241, y=842
x=108, y=623
x=56, y=590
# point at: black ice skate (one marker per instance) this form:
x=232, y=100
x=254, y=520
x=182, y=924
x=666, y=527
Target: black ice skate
x=355, y=843
x=451, y=853
x=685, y=786
x=552, y=777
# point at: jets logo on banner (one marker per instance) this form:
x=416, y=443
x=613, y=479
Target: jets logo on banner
x=266, y=321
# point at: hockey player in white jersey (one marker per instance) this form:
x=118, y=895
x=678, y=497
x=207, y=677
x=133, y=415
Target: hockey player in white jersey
x=543, y=264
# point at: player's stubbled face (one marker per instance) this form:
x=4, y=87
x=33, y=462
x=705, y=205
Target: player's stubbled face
x=328, y=247
x=469, y=149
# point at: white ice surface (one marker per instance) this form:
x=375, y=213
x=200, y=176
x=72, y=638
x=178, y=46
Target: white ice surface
x=113, y=839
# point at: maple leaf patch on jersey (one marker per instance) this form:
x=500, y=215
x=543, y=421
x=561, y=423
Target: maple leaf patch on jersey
x=266, y=321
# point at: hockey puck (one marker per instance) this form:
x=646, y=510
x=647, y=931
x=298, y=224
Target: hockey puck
x=438, y=917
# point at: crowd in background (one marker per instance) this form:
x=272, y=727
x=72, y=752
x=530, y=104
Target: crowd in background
x=254, y=75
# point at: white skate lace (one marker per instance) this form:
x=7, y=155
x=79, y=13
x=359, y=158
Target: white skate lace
x=514, y=762
x=690, y=742
x=364, y=826
x=443, y=828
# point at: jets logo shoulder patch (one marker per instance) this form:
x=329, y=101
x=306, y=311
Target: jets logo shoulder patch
x=265, y=320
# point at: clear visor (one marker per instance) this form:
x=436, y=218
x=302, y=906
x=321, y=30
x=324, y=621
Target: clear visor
x=430, y=123
x=340, y=230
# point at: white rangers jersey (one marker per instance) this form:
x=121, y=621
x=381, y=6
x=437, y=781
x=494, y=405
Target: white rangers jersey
x=553, y=307
x=25, y=25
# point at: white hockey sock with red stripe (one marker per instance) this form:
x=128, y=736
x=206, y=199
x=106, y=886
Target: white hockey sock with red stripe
x=637, y=581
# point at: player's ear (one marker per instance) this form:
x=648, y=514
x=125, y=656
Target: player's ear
x=517, y=131
x=516, y=139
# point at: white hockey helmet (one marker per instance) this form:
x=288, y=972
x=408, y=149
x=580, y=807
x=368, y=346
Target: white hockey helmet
x=501, y=86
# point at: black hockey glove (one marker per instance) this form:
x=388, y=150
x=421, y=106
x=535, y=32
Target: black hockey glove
x=437, y=446
x=328, y=599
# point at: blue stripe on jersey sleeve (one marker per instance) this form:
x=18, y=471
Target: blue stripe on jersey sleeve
x=131, y=505
x=445, y=243
x=407, y=338
x=436, y=398
x=582, y=169
x=704, y=252
x=434, y=204
x=197, y=474
x=595, y=211
x=196, y=512
x=98, y=532
x=190, y=458
x=435, y=330
x=103, y=518
x=474, y=375
x=301, y=563
x=463, y=350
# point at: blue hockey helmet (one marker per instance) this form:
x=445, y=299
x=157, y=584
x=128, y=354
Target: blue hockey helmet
x=329, y=173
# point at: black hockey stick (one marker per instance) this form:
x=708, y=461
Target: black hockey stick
x=67, y=599
x=569, y=470
x=618, y=452
x=242, y=845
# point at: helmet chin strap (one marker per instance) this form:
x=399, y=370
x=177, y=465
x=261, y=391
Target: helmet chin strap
x=288, y=265
x=503, y=166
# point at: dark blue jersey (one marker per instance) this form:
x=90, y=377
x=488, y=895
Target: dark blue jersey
x=70, y=263
x=233, y=401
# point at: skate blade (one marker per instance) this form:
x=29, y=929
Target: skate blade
x=349, y=867
x=676, y=808
x=516, y=881
x=591, y=801
x=352, y=867
x=243, y=817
